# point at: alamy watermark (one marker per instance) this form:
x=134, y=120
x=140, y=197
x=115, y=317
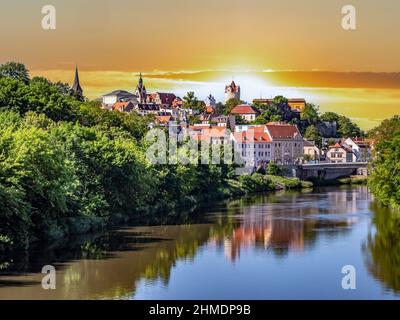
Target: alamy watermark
x=349, y=19
x=49, y=280
x=349, y=280
x=49, y=19
x=201, y=147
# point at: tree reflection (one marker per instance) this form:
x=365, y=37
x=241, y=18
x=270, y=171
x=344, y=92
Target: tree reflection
x=383, y=247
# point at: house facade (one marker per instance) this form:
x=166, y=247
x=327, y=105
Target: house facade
x=288, y=143
x=278, y=142
x=340, y=153
x=245, y=111
x=255, y=148
x=311, y=150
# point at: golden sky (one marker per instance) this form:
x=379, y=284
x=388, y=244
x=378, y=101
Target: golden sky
x=112, y=41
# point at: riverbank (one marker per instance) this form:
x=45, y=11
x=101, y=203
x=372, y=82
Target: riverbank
x=352, y=180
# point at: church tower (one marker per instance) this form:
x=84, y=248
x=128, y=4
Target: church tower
x=76, y=89
x=141, y=90
x=232, y=91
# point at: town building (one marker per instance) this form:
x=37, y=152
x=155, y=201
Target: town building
x=340, y=153
x=210, y=134
x=164, y=119
x=256, y=149
x=232, y=91
x=124, y=106
x=224, y=121
x=275, y=141
x=247, y=112
x=288, y=143
x=311, y=150
x=165, y=100
x=109, y=99
x=177, y=103
x=361, y=148
x=147, y=108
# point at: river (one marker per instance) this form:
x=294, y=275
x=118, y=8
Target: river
x=285, y=245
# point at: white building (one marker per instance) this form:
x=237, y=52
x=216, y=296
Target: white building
x=311, y=150
x=341, y=153
x=361, y=148
x=111, y=98
x=247, y=112
x=278, y=142
x=288, y=143
x=254, y=146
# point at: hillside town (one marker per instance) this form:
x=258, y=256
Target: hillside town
x=280, y=142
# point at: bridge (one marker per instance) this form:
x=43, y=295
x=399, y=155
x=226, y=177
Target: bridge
x=328, y=171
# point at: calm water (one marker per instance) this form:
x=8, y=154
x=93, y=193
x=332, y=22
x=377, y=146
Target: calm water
x=280, y=246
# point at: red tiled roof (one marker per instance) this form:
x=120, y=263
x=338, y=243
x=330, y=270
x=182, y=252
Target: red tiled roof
x=163, y=119
x=167, y=98
x=282, y=130
x=259, y=137
x=121, y=105
x=206, y=133
x=336, y=145
x=210, y=109
x=244, y=109
x=341, y=146
x=200, y=127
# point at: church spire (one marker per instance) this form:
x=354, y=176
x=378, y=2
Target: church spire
x=76, y=88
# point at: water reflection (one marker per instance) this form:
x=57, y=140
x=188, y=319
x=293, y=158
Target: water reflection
x=117, y=264
x=286, y=221
x=383, y=247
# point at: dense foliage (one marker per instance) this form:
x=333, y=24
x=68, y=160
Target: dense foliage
x=385, y=177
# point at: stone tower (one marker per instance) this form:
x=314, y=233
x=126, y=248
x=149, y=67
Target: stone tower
x=141, y=90
x=232, y=91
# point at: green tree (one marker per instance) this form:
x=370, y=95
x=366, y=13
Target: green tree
x=230, y=104
x=15, y=70
x=385, y=178
x=272, y=168
x=310, y=113
x=312, y=134
x=190, y=101
x=347, y=128
x=386, y=130
x=330, y=117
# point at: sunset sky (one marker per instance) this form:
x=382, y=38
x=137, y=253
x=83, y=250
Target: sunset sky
x=270, y=47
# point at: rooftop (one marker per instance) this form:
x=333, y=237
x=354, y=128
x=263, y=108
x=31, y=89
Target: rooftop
x=244, y=109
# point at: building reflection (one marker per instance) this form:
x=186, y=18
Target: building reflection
x=291, y=222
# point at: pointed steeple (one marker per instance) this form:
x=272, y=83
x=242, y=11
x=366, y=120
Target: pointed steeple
x=141, y=90
x=77, y=86
x=140, y=80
